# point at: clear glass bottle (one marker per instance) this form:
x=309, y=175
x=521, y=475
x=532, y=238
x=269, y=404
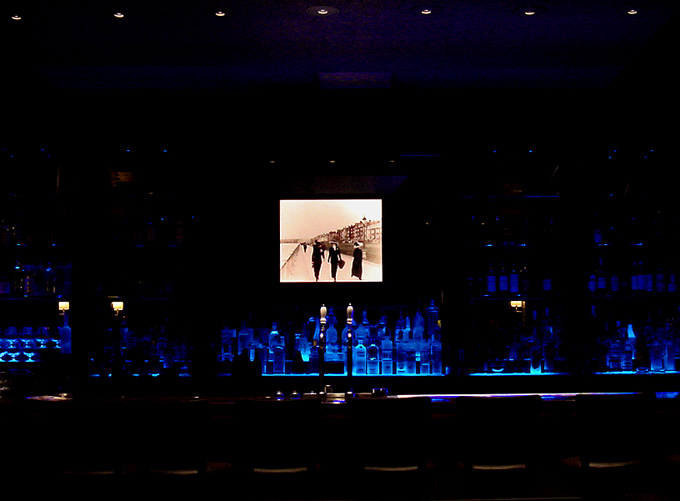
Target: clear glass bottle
x=372, y=357
x=436, y=346
x=359, y=361
x=277, y=349
x=386, y=348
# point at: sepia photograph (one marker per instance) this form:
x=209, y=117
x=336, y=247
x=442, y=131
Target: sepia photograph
x=330, y=240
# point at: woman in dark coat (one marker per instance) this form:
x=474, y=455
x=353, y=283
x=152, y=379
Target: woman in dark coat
x=358, y=256
x=334, y=258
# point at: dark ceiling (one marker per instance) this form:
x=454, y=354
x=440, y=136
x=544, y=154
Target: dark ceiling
x=367, y=69
x=180, y=44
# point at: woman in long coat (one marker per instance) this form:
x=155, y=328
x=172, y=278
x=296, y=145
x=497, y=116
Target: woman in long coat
x=358, y=256
x=334, y=258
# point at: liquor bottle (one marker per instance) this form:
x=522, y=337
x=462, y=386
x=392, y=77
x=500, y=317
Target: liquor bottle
x=513, y=281
x=503, y=281
x=5, y=283
x=18, y=280
x=359, y=362
x=386, y=347
x=628, y=348
x=614, y=284
x=614, y=357
x=313, y=364
x=431, y=319
x=332, y=345
x=436, y=346
x=643, y=337
x=418, y=333
x=635, y=278
x=549, y=342
x=491, y=282
x=363, y=330
x=298, y=365
x=65, y=335
x=244, y=339
x=277, y=347
x=601, y=279
x=671, y=285
x=40, y=284
x=535, y=351
x=660, y=280
x=656, y=354
x=400, y=343
x=372, y=357
x=425, y=351
x=524, y=280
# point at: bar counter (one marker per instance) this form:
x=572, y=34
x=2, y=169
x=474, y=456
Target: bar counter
x=50, y=428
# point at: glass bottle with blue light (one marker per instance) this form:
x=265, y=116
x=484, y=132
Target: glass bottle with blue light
x=245, y=336
x=332, y=345
x=372, y=355
x=418, y=333
x=400, y=343
x=298, y=365
x=410, y=348
x=359, y=358
x=535, y=348
x=436, y=347
x=628, y=348
x=386, y=347
x=343, y=337
x=277, y=349
x=363, y=330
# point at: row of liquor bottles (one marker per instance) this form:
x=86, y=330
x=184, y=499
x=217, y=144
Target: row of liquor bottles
x=541, y=345
x=141, y=350
x=639, y=277
x=651, y=344
x=16, y=232
x=513, y=344
x=528, y=226
x=405, y=346
x=20, y=280
x=503, y=279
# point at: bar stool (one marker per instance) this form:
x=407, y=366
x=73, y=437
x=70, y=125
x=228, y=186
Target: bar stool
x=386, y=447
x=277, y=447
x=164, y=441
x=668, y=470
x=616, y=454
x=499, y=440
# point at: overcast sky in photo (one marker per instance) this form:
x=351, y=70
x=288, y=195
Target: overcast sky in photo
x=308, y=218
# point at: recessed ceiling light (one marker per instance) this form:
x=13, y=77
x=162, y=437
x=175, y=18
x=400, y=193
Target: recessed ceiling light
x=119, y=15
x=219, y=13
x=16, y=18
x=322, y=11
x=426, y=11
x=529, y=10
x=632, y=12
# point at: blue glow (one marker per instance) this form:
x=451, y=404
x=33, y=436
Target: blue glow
x=517, y=374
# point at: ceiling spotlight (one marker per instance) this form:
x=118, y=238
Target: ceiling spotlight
x=530, y=10
x=426, y=11
x=119, y=15
x=632, y=12
x=219, y=13
x=322, y=11
x=16, y=18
